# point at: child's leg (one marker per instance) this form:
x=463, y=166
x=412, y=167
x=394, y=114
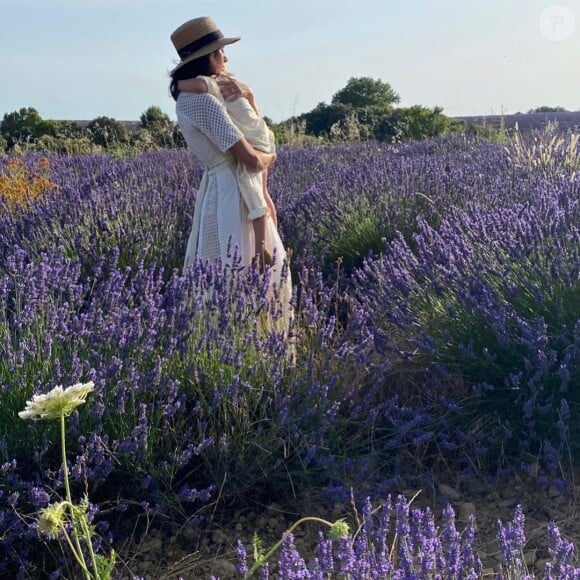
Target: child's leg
x=269, y=202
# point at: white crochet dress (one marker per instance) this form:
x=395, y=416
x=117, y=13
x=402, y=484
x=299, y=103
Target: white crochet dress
x=220, y=220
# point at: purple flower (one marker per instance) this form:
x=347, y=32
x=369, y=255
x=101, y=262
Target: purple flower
x=511, y=539
x=291, y=565
x=242, y=558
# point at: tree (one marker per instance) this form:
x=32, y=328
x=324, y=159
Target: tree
x=69, y=130
x=418, y=122
x=158, y=125
x=323, y=117
x=546, y=109
x=364, y=92
x=24, y=125
x=154, y=118
x=107, y=132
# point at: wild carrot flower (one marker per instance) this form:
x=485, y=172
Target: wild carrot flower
x=51, y=519
x=339, y=530
x=58, y=402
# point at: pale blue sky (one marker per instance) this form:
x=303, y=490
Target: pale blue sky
x=79, y=59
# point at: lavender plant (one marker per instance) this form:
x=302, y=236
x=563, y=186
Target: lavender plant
x=458, y=295
x=393, y=540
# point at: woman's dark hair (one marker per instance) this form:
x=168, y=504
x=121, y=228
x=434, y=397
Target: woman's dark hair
x=198, y=66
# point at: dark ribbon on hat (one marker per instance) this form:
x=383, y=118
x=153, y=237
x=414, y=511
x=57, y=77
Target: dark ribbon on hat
x=199, y=43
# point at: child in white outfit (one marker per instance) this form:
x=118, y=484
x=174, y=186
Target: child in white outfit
x=256, y=131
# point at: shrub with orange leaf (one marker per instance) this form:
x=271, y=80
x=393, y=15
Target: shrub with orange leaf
x=21, y=186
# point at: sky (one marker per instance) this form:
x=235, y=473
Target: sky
x=81, y=59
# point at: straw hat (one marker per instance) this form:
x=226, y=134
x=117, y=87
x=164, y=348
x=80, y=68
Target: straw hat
x=196, y=38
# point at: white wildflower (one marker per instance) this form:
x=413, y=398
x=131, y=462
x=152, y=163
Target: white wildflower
x=57, y=402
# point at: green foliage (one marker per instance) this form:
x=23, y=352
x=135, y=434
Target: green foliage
x=158, y=126
x=68, y=130
x=548, y=109
x=107, y=132
x=361, y=124
x=320, y=120
x=64, y=145
x=358, y=234
x=363, y=109
x=177, y=137
x=293, y=133
x=383, y=123
x=154, y=118
x=25, y=130
x=366, y=92
x=418, y=122
x=387, y=128
x=484, y=131
x=23, y=126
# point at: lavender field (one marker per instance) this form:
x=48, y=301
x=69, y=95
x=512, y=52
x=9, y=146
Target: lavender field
x=437, y=327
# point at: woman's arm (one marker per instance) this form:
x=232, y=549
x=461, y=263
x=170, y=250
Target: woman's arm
x=207, y=114
x=253, y=159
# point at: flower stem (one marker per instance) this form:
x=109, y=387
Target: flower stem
x=279, y=542
x=79, y=551
x=64, y=463
x=78, y=556
x=87, y=533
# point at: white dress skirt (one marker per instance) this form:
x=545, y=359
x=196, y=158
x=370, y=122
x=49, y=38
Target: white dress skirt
x=220, y=227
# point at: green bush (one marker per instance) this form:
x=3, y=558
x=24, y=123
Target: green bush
x=107, y=132
x=24, y=126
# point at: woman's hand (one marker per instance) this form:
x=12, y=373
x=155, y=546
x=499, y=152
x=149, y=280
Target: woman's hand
x=232, y=89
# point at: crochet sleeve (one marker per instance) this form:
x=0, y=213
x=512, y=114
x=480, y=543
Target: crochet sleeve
x=208, y=115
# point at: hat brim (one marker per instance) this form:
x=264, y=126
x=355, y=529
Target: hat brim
x=208, y=49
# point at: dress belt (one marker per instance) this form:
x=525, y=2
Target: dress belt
x=214, y=168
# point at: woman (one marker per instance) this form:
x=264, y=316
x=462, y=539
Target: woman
x=220, y=221
x=253, y=185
